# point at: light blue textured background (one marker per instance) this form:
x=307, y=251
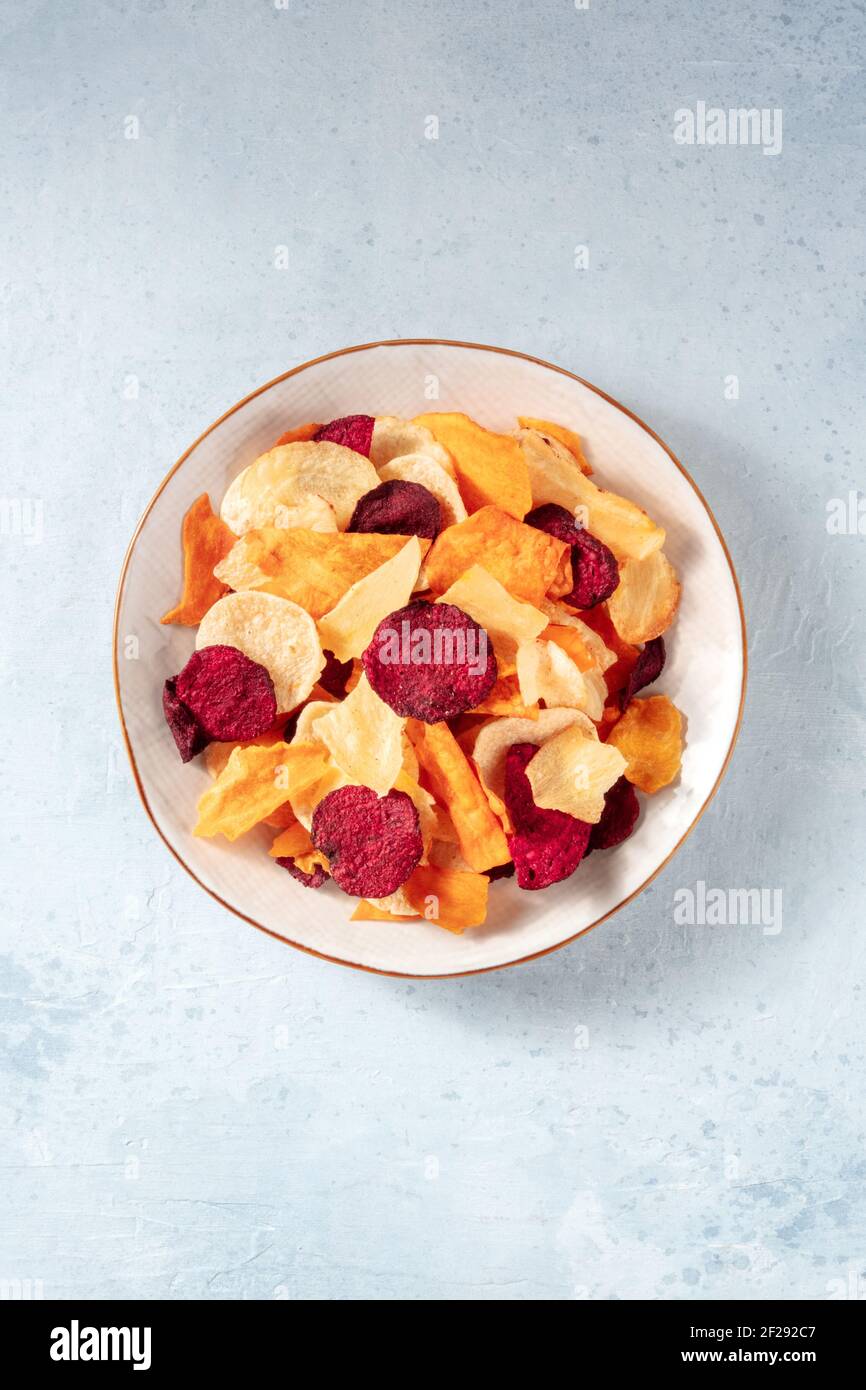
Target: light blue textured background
x=191, y=1110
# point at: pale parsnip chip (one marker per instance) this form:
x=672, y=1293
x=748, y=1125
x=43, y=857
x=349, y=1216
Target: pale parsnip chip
x=420, y=468
x=561, y=433
x=349, y=627
x=365, y=738
x=272, y=631
x=495, y=739
x=643, y=604
x=393, y=438
x=397, y=904
x=305, y=728
x=446, y=855
x=304, y=802
x=546, y=672
x=506, y=620
x=556, y=477
x=563, y=616
x=572, y=772
x=289, y=474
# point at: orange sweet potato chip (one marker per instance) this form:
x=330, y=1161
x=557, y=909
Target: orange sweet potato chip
x=216, y=755
x=254, y=782
x=490, y=467
x=522, y=558
x=295, y=843
x=561, y=433
x=312, y=568
x=616, y=676
x=505, y=698
x=369, y=912
x=571, y=642
x=455, y=785
x=451, y=898
x=650, y=737
x=206, y=540
x=299, y=434
x=282, y=818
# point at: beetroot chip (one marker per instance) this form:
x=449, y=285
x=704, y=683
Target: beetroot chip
x=546, y=846
x=231, y=696
x=352, y=431
x=398, y=509
x=430, y=661
x=188, y=734
x=371, y=842
x=334, y=675
x=313, y=880
x=619, y=817
x=647, y=668
x=594, y=569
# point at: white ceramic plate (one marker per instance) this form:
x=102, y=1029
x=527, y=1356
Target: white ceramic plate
x=705, y=673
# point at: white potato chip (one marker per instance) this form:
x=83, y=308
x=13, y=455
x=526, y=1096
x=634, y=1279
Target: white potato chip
x=643, y=604
x=546, y=672
x=572, y=772
x=312, y=514
x=495, y=739
x=272, y=631
x=365, y=738
x=394, y=437
x=420, y=468
x=349, y=626
x=289, y=474
x=506, y=620
x=555, y=476
x=562, y=616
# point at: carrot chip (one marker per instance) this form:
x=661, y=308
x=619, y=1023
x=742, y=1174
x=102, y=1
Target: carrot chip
x=455, y=785
x=206, y=541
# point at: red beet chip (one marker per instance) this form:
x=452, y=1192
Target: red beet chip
x=555, y=520
x=647, y=668
x=398, y=509
x=352, y=431
x=371, y=842
x=546, y=846
x=313, y=880
x=188, y=734
x=619, y=817
x=334, y=676
x=231, y=696
x=430, y=661
x=594, y=569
